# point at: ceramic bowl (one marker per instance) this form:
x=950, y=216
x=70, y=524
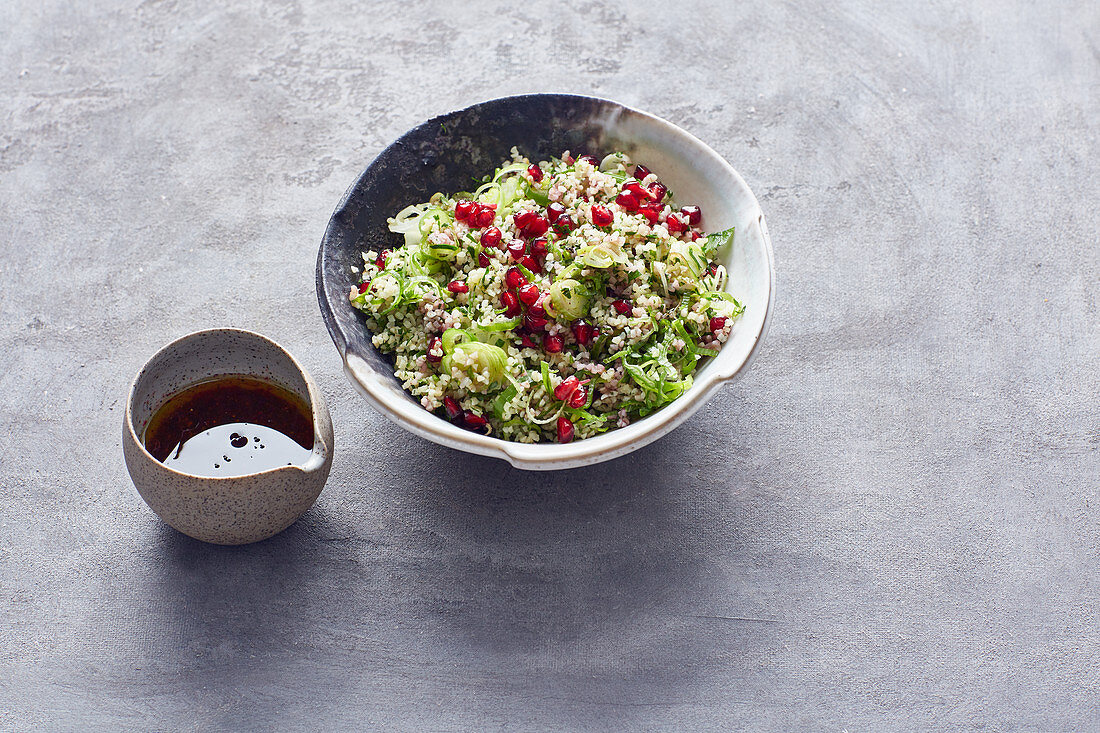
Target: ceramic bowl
x=443, y=154
x=230, y=510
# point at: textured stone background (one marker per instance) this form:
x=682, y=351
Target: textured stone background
x=890, y=523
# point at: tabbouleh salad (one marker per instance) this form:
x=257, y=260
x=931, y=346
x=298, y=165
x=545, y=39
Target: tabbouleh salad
x=557, y=301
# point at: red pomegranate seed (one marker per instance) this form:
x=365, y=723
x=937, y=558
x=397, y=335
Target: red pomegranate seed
x=364, y=287
x=534, y=323
x=510, y=303
x=483, y=217
x=553, y=343
x=463, y=210
x=652, y=212
x=458, y=287
x=531, y=264
x=538, y=248
x=566, y=387
x=527, y=342
x=622, y=307
x=535, y=172
x=636, y=190
x=473, y=420
x=451, y=406
x=591, y=160
x=516, y=248
x=523, y=218
x=601, y=217
x=529, y=294
x=536, y=227
x=675, y=224
x=717, y=323
x=657, y=191
x=554, y=211
x=483, y=259
x=514, y=278
x=565, y=430
x=693, y=213
x=627, y=202
x=537, y=310
x=583, y=332
x=490, y=237
x=567, y=159
x=435, y=345
x=696, y=236
x=578, y=398
x=712, y=268
x=640, y=171
x=380, y=260
x=565, y=224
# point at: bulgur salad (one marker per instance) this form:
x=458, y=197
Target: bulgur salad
x=556, y=301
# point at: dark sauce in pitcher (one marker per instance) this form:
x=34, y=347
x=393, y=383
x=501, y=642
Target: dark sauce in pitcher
x=231, y=426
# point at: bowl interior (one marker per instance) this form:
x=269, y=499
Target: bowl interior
x=206, y=355
x=444, y=153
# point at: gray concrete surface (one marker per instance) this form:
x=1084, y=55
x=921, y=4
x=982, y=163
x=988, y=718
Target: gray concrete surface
x=890, y=523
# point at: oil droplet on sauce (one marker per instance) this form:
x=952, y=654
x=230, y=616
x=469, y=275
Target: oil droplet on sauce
x=231, y=426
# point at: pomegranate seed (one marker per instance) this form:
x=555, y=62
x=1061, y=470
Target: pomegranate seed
x=473, y=420
x=657, y=191
x=652, y=212
x=566, y=387
x=538, y=248
x=527, y=342
x=622, y=307
x=451, y=406
x=627, y=202
x=696, y=236
x=712, y=268
x=529, y=294
x=534, y=323
x=531, y=264
x=583, y=332
x=364, y=287
x=523, y=218
x=516, y=248
x=514, y=278
x=380, y=260
x=483, y=259
x=601, y=217
x=458, y=287
x=490, y=237
x=640, y=171
x=510, y=303
x=590, y=159
x=483, y=217
x=717, y=323
x=536, y=227
x=693, y=213
x=554, y=211
x=565, y=430
x=565, y=224
x=553, y=343
x=435, y=345
x=536, y=310
x=675, y=224
x=567, y=159
x=636, y=190
x=535, y=172
x=463, y=210
x=578, y=398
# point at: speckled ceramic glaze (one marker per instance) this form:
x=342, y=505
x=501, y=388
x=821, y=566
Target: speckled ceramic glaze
x=233, y=510
x=442, y=155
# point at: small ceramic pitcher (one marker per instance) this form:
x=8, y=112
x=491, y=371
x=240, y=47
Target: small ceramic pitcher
x=224, y=510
